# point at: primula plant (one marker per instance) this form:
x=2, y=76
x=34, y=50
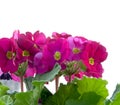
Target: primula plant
x=35, y=60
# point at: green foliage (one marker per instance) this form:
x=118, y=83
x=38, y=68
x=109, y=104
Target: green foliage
x=28, y=83
x=49, y=76
x=35, y=87
x=45, y=94
x=30, y=97
x=24, y=98
x=64, y=93
x=44, y=77
x=89, y=98
x=92, y=85
x=117, y=90
x=85, y=91
x=3, y=90
x=115, y=99
x=6, y=100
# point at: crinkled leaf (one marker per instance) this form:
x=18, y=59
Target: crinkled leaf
x=24, y=98
x=92, y=85
x=30, y=97
x=3, y=90
x=64, y=93
x=6, y=99
x=98, y=86
x=49, y=75
x=90, y=98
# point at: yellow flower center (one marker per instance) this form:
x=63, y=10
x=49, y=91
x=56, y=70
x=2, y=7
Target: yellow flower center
x=91, y=61
x=25, y=53
x=57, y=55
x=76, y=50
x=9, y=54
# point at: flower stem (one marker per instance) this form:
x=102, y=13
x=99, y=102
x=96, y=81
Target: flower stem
x=69, y=78
x=21, y=83
x=56, y=83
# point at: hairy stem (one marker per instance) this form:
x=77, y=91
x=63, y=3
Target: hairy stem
x=56, y=82
x=21, y=83
x=69, y=78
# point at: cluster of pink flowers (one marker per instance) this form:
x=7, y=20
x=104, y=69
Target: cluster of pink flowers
x=42, y=53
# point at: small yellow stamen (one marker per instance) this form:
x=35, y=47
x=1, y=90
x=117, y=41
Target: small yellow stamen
x=76, y=50
x=9, y=54
x=91, y=61
x=25, y=53
x=57, y=55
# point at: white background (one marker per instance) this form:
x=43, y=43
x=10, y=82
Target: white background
x=94, y=19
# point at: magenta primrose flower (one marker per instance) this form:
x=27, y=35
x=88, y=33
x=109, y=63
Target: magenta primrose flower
x=28, y=45
x=76, y=45
x=94, y=55
x=7, y=56
x=38, y=38
x=40, y=63
x=43, y=53
x=56, y=50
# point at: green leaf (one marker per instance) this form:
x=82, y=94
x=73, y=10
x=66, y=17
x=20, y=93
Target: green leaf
x=37, y=91
x=28, y=83
x=87, y=84
x=24, y=98
x=117, y=90
x=107, y=102
x=64, y=93
x=12, y=94
x=49, y=75
x=90, y=98
x=6, y=99
x=3, y=90
x=115, y=99
x=73, y=102
x=2, y=102
x=45, y=94
x=95, y=85
x=43, y=78
x=85, y=91
x=30, y=97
